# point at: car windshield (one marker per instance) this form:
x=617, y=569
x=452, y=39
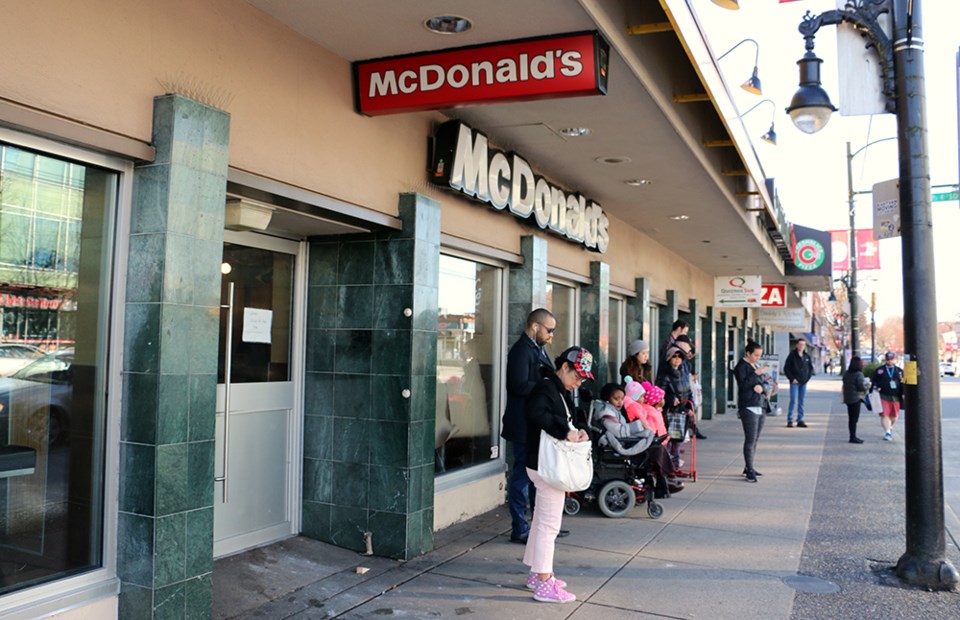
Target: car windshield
x=51, y=368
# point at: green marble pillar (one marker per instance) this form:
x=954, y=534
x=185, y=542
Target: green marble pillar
x=370, y=386
x=171, y=334
x=528, y=285
x=668, y=314
x=638, y=314
x=708, y=365
x=595, y=320
x=722, y=364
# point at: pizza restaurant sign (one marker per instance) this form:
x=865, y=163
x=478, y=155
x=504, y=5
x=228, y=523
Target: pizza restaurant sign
x=567, y=65
x=464, y=161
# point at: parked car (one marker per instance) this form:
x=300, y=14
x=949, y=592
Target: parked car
x=14, y=356
x=948, y=368
x=36, y=397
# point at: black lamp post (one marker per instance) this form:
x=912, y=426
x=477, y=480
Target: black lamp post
x=924, y=563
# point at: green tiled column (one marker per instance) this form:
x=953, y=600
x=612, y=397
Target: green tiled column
x=708, y=365
x=638, y=314
x=171, y=333
x=595, y=319
x=528, y=285
x=693, y=318
x=370, y=388
x=668, y=314
x=723, y=363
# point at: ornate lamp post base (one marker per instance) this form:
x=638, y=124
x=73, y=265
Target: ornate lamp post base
x=932, y=574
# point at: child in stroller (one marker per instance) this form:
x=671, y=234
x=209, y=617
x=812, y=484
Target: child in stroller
x=636, y=439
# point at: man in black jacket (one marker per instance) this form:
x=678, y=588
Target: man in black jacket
x=798, y=369
x=525, y=365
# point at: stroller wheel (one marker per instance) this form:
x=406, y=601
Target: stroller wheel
x=571, y=505
x=654, y=510
x=617, y=498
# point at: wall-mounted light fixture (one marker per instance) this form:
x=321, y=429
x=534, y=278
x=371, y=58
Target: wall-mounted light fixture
x=733, y=5
x=752, y=85
x=771, y=135
x=244, y=214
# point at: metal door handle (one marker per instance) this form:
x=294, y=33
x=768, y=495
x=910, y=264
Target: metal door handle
x=227, y=368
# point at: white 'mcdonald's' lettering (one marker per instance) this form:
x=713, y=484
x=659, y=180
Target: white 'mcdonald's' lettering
x=507, y=181
x=432, y=76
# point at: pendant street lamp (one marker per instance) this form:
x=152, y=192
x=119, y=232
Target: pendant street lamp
x=924, y=563
x=771, y=135
x=752, y=85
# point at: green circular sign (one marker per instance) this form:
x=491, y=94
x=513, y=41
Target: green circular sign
x=809, y=254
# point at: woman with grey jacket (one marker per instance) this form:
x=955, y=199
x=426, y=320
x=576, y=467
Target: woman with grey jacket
x=855, y=386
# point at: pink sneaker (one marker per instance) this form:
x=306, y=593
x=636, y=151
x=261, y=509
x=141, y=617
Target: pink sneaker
x=549, y=591
x=533, y=580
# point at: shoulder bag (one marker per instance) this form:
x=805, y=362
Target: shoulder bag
x=565, y=465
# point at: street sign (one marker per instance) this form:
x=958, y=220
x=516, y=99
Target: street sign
x=946, y=196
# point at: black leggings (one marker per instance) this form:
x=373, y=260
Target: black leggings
x=853, y=416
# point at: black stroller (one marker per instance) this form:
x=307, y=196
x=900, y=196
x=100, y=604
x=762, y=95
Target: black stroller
x=619, y=482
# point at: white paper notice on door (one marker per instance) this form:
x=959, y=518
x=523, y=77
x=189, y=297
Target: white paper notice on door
x=256, y=325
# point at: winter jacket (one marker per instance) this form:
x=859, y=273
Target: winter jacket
x=745, y=374
x=546, y=411
x=854, y=387
x=676, y=386
x=882, y=379
x=524, y=363
x=798, y=367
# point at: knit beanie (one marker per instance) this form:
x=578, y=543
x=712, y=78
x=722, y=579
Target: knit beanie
x=632, y=389
x=636, y=346
x=654, y=394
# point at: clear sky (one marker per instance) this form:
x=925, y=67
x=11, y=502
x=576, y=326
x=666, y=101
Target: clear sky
x=810, y=170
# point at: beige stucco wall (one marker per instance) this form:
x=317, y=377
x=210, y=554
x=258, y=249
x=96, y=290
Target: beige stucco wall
x=103, y=609
x=459, y=504
x=101, y=62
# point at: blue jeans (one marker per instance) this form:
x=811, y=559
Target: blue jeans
x=520, y=490
x=798, y=392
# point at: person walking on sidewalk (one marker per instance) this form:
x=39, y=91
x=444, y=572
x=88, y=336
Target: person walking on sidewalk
x=749, y=378
x=526, y=363
x=798, y=369
x=888, y=380
x=550, y=410
x=854, y=391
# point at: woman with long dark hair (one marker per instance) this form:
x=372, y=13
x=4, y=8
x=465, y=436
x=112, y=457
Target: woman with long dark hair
x=550, y=409
x=854, y=391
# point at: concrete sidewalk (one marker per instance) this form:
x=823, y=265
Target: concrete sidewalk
x=723, y=548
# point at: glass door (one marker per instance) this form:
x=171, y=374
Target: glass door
x=255, y=494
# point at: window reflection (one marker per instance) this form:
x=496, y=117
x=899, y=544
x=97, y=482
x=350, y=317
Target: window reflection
x=561, y=301
x=52, y=246
x=468, y=346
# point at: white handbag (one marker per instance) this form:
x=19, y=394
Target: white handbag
x=565, y=465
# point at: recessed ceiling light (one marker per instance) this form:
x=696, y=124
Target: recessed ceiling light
x=448, y=24
x=680, y=218
x=638, y=182
x=704, y=241
x=576, y=132
x=613, y=160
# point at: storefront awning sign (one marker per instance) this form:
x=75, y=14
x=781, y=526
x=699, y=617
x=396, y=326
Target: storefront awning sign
x=773, y=296
x=567, y=65
x=737, y=291
x=464, y=161
x=783, y=319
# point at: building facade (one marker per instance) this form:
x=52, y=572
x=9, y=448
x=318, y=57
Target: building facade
x=238, y=310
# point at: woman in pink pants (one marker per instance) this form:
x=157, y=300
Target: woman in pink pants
x=550, y=409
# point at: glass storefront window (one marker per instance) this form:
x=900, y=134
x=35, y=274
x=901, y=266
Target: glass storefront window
x=54, y=275
x=469, y=336
x=562, y=302
x=616, y=339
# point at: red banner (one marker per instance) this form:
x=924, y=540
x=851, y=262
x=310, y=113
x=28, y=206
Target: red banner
x=568, y=65
x=868, y=250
